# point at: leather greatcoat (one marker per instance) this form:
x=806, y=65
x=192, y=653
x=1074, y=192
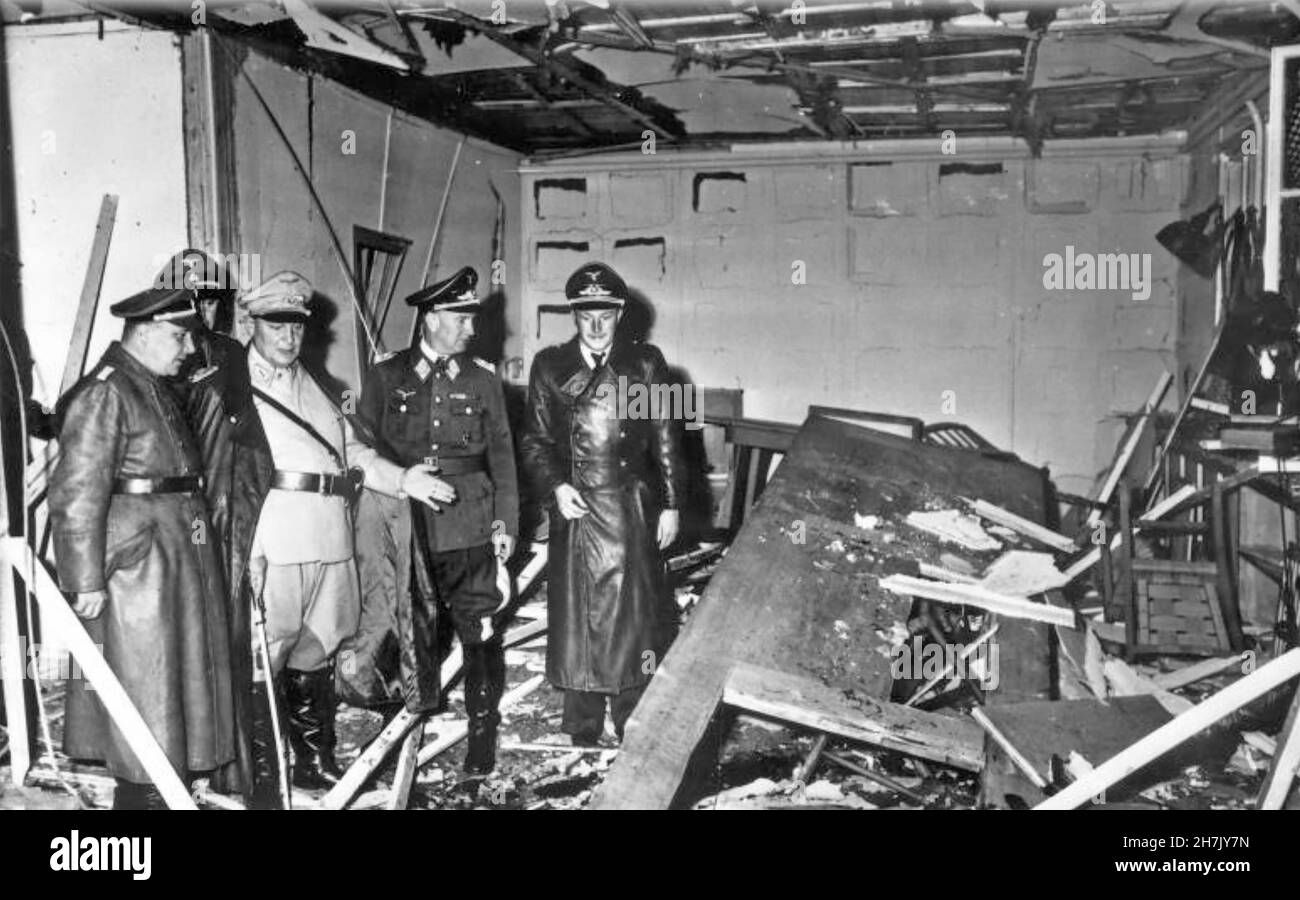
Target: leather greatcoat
x=610, y=617
x=163, y=628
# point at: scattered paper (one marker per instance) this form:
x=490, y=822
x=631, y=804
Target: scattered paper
x=1023, y=573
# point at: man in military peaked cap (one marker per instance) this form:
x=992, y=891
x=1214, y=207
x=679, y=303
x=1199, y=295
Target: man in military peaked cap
x=295, y=466
x=435, y=404
x=129, y=520
x=613, y=486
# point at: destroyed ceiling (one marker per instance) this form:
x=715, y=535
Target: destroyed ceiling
x=544, y=76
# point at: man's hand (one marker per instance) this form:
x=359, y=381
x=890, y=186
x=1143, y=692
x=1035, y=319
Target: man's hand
x=571, y=504
x=669, y=521
x=420, y=482
x=503, y=545
x=90, y=604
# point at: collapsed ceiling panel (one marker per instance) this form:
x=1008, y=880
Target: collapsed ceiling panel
x=548, y=76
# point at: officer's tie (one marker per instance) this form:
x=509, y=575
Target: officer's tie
x=440, y=367
x=598, y=360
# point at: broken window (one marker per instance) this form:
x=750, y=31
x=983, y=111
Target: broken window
x=560, y=198
x=718, y=192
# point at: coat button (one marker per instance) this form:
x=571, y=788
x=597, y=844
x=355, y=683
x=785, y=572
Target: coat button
x=622, y=463
x=434, y=446
x=437, y=399
x=437, y=422
x=402, y=408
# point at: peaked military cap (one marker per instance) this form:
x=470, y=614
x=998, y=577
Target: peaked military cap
x=595, y=286
x=456, y=292
x=281, y=297
x=196, y=271
x=158, y=305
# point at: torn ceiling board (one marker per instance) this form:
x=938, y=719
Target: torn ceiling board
x=730, y=107
x=1093, y=59
x=642, y=68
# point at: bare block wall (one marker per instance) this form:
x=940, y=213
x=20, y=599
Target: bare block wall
x=910, y=286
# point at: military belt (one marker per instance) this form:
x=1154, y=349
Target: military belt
x=458, y=465
x=171, y=484
x=332, y=485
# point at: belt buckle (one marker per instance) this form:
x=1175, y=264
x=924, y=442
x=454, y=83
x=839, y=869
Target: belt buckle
x=431, y=461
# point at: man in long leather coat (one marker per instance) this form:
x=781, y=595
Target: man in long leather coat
x=437, y=404
x=613, y=485
x=283, y=494
x=129, y=522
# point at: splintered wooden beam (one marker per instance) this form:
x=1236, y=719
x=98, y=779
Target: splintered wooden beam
x=891, y=726
x=1020, y=525
x=1286, y=760
x=80, y=345
x=58, y=619
x=1184, y=727
x=974, y=595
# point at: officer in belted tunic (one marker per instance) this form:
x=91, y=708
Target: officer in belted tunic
x=297, y=465
x=436, y=404
x=613, y=485
x=130, y=527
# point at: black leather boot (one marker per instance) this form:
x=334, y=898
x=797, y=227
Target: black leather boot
x=267, y=756
x=310, y=700
x=481, y=671
x=129, y=795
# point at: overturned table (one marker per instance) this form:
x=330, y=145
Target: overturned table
x=785, y=615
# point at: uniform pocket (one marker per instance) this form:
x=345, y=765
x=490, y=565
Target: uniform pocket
x=128, y=551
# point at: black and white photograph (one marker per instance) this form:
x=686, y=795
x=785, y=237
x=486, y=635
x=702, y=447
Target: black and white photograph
x=712, y=405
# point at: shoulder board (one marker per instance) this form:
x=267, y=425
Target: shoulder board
x=485, y=364
x=105, y=373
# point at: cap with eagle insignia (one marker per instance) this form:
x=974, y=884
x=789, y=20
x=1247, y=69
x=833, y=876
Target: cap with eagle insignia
x=595, y=286
x=282, y=297
x=456, y=292
x=158, y=305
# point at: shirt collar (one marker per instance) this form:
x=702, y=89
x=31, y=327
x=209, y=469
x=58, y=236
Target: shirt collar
x=589, y=356
x=265, y=373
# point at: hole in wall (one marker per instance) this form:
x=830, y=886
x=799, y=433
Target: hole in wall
x=718, y=191
x=559, y=198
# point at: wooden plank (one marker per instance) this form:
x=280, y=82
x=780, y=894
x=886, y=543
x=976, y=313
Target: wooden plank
x=768, y=604
x=1023, y=526
x=79, y=346
x=1198, y=672
x=891, y=726
x=400, y=793
x=1190, y=723
x=1286, y=761
x=1130, y=446
x=59, y=619
x=974, y=595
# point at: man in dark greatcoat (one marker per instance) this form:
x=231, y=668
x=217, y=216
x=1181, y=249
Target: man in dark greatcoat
x=130, y=527
x=434, y=403
x=613, y=483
